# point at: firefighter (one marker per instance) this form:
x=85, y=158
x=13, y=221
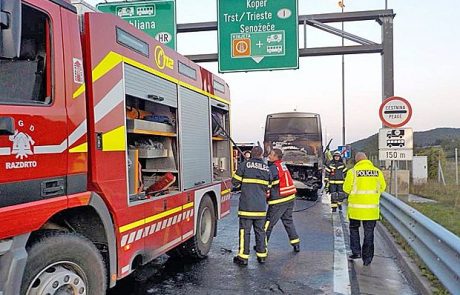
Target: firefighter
x=254, y=178
x=363, y=184
x=335, y=176
x=281, y=199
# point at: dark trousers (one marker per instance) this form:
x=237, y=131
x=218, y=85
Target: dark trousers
x=245, y=237
x=367, y=250
x=336, y=191
x=282, y=211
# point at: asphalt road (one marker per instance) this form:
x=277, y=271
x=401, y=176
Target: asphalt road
x=320, y=268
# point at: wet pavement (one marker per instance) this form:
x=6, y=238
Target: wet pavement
x=320, y=268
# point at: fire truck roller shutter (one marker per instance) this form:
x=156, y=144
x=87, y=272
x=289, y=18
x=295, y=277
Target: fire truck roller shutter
x=147, y=86
x=195, y=138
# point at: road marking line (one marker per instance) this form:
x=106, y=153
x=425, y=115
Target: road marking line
x=341, y=276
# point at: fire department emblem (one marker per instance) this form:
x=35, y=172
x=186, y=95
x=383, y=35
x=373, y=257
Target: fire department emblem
x=22, y=144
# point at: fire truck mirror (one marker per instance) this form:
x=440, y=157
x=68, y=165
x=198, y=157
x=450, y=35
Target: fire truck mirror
x=10, y=28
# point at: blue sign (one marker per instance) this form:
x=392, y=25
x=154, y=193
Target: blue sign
x=345, y=150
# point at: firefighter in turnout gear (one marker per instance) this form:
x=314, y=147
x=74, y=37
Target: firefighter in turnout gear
x=281, y=200
x=363, y=184
x=335, y=177
x=254, y=178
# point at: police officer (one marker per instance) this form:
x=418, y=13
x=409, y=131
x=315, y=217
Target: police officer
x=254, y=178
x=335, y=175
x=363, y=184
x=281, y=200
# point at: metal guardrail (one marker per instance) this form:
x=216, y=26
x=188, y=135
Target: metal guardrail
x=436, y=246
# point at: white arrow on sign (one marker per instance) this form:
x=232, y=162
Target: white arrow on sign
x=257, y=59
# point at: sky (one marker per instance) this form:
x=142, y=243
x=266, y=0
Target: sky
x=426, y=65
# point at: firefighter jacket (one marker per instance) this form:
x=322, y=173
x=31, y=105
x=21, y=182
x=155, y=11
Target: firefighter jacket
x=335, y=172
x=282, y=188
x=364, y=184
x=254, y=178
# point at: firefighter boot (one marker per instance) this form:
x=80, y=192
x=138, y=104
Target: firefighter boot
x=240, y=261
x=296, y=247
x=261, y=259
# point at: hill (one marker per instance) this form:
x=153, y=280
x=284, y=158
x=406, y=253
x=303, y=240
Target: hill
x=448, y=138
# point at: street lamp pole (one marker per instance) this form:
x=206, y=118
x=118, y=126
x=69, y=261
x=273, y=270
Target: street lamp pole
x=342, y=5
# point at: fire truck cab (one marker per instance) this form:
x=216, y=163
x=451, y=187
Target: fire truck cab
x=108, y=158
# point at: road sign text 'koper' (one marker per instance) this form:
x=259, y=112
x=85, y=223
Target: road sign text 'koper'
x=257, y=35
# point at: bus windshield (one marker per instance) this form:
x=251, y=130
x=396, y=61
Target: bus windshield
x=293, y=125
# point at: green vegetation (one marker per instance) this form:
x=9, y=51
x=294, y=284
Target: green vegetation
x=447, y=209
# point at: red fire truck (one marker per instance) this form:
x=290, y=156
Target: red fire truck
x=108, y=155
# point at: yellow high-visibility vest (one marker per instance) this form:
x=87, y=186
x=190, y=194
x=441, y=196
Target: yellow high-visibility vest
x=364, y=184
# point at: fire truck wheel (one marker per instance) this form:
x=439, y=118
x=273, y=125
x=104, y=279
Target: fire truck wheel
x=63, y=263
x=198, y=247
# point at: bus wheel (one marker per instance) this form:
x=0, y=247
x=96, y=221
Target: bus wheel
x=198, y=247
x=62, y=263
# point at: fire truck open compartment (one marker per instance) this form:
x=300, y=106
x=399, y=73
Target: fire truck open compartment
x=221, y=161
x=151, y=124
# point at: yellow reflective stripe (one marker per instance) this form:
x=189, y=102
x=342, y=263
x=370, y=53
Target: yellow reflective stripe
x=112, y=59
x=164, y=214
x=241, y=252
x=333, y=205
x=225, y=192
x=340, y=167
x=244, y=256
x=188, y=205
x=262, y=255
x=237, y=177
x=337, y=181
x=363, y=192
x=267, y=223
x=141, y=222
x=114, y=140
x=79, y=91
x=276, y=182
x=82, y=148
x=252, y=214
x=286, y=199
x=328, y=170
x=363, y=206
x=255, y=181
x=295, y=241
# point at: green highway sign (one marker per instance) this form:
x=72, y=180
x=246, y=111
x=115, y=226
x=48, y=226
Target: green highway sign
x=256, y=35
x=155, y=17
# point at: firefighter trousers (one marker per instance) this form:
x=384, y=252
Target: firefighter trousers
x=245, y=236
x=282, y=211
x=336, y=191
